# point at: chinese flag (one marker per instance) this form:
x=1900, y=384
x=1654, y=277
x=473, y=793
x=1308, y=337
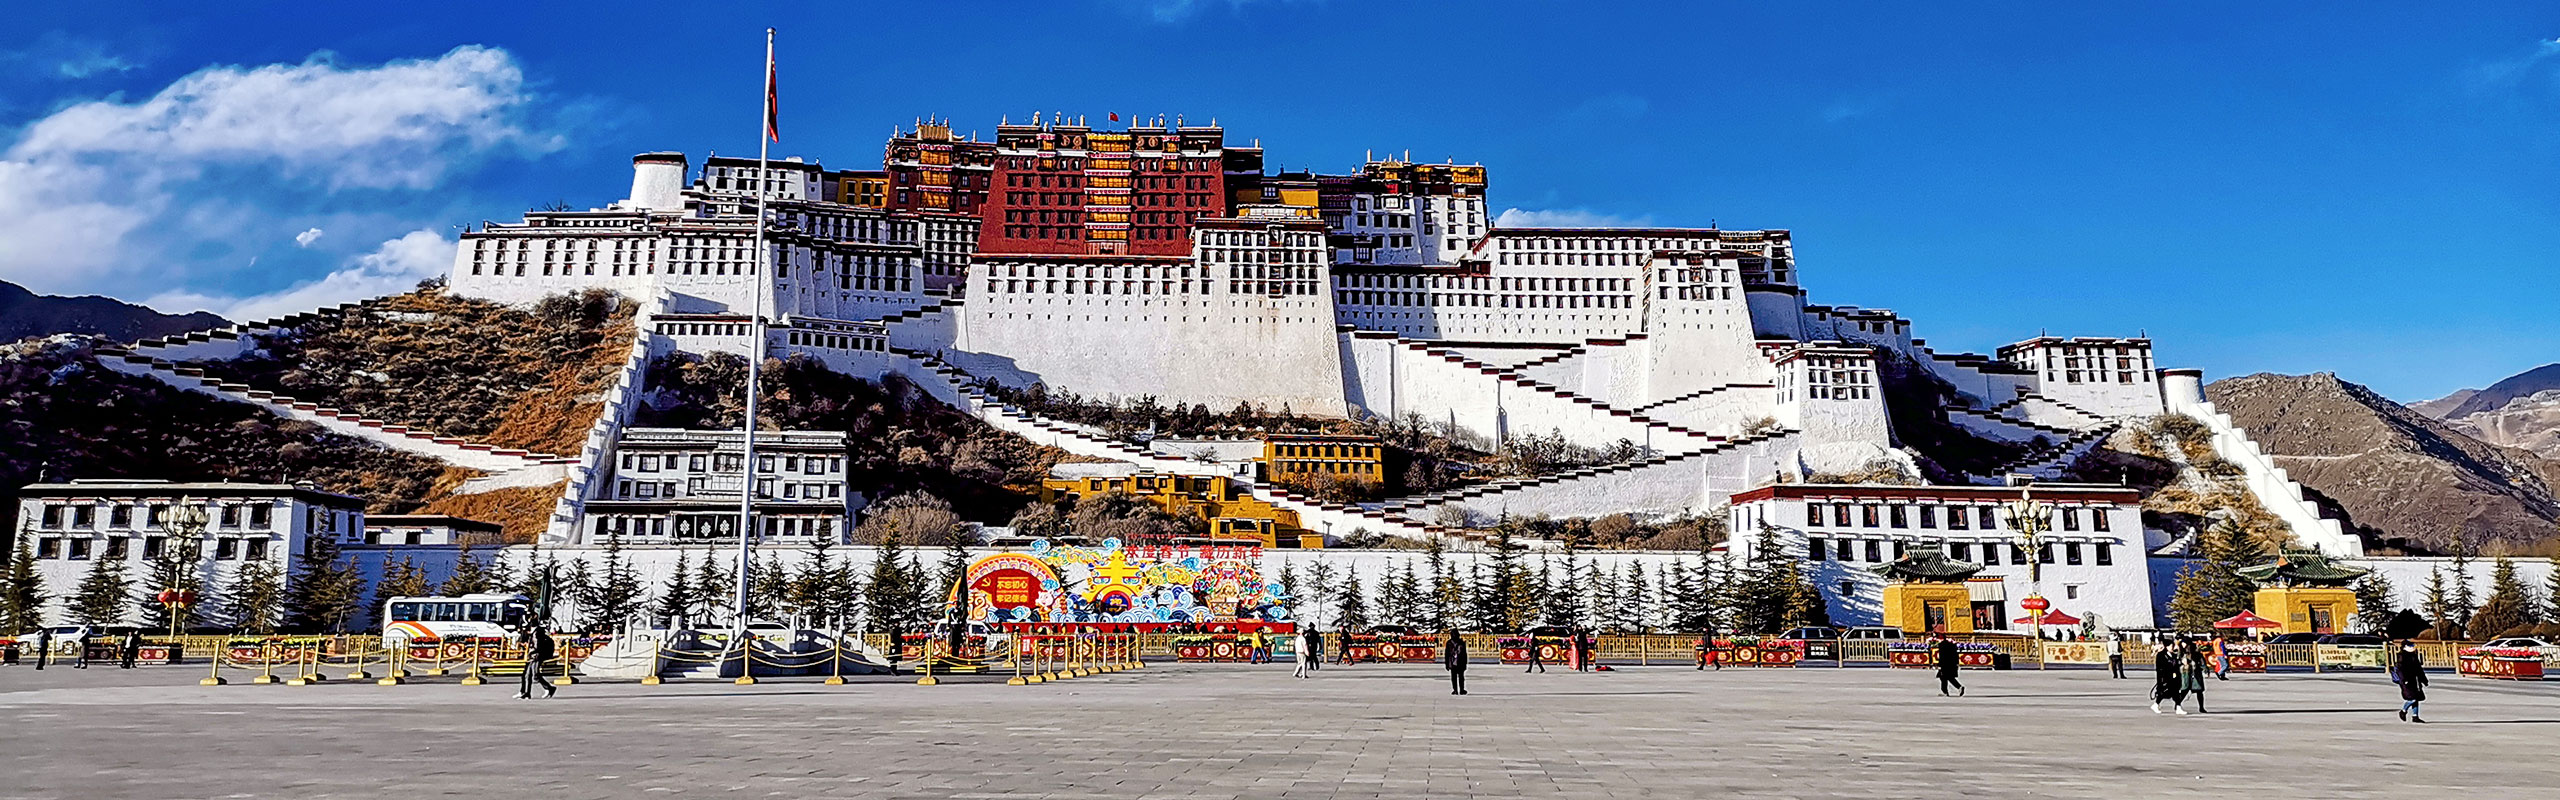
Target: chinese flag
x=772, y=102
x=1115, y=116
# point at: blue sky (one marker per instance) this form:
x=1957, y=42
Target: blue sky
x=2359, y=188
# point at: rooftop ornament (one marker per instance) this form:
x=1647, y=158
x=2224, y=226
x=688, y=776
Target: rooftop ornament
x=2303, y=568
x=1927, y=564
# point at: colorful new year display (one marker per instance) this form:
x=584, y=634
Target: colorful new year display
x=1112, y=584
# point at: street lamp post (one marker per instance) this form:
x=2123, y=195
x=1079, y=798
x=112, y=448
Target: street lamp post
x=2030, y=518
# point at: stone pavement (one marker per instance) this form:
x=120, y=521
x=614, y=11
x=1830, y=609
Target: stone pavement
x=1217, y=731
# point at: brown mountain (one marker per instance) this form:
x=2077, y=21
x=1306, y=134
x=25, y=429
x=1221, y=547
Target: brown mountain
x=2522, y=411
x=24, y=313
x=2393, y=472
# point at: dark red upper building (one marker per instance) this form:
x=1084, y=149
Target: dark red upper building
x=1055, y=188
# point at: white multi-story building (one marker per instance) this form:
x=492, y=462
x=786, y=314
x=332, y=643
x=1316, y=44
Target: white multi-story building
x=70, y=526
x=671, y=486
x=2092, y=562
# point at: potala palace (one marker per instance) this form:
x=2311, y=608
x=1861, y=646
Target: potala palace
x=1163, y=261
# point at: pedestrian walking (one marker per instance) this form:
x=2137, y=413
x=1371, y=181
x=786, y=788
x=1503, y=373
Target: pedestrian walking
x=1308, y=646
x=1342, y=654
x=2115, y=656
x=2165, y=682
x=44, y=648
x=2191, y=676
x=2409, y=669
x=2221, y=660
x=539, y=650
x=1453, y=654
x=1535, y=664
x=1261, y=652
x=132, y=649
x=1584, y=644
x=1944, y=651
x=1707, y=652
x=80, y=649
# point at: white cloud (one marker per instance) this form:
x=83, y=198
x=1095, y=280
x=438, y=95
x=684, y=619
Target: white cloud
x=109, y=195
x=305, y=238
x=2507, y=72
x=62, y=56
x=1565, y=218
x=397, y=266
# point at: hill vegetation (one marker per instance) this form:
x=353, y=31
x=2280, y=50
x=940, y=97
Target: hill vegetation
x=530, y=378
x=64, y=416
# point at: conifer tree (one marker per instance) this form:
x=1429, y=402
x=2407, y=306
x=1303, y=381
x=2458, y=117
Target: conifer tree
x=715, y=589
x=99, y=600
x=955, y=566
x=2508, y=607
x=1351, y=609
x=2438, y=606
x=402, y=578
x=1446, y=594
x=2463, y=600
x=1400, y=597
x=2210, y=588
x=2376, y=603
x=676, y=601
x=253, y=600
x=325, y=591
x=577, y=586
x=1563, y=605
x=1503, y=586
x=814, y=590
x=1319, y=590
x=1604, y=610
x=22, y=594
x=618, y=594
x=469, y=576
x=1289, y=585
x=1633, y=593
x=769, y=590
x=889, y=592
x=176, y=567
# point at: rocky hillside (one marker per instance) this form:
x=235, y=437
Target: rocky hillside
x=63, y=416
x=530, y=378
x=24, y=313
x=2522, y=411
x=2393, y=472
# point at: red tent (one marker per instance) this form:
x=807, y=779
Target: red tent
x=2053, y=617
x=2246, y=619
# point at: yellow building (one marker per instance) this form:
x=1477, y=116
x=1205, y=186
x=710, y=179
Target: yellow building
x=2305, y=591
x=1234, y=516
x=1925, y=592
x=1295, y=456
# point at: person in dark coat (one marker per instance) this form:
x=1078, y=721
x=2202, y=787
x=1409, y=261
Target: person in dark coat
x=44, y=648
x=1535, y=664
x=1453, y=654
x=2409, y=669
x=2193, y=664
x=2166, y=684
x=132, y=647
x=1944, y=651
x=538, y=651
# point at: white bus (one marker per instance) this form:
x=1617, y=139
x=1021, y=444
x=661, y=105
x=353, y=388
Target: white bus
x=431, y=619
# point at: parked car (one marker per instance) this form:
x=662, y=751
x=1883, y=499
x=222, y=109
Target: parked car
x=1820, y=642
x=1872, y=633
x=2295, y=638
x=2354, y=640
x=2519, y=641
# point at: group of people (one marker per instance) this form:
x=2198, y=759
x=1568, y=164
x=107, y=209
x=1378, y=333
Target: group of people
x=2178, y=668
x=128, y=649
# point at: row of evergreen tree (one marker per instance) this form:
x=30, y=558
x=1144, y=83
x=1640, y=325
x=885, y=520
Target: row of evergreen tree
x=1503, y=592
x=2212, y=589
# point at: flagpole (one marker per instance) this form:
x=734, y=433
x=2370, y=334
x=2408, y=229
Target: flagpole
x=762, y=277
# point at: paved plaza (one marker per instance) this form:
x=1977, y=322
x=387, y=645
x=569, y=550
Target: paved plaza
x=1216, y=731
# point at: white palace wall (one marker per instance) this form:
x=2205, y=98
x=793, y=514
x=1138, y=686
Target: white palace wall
x=1217, y=349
